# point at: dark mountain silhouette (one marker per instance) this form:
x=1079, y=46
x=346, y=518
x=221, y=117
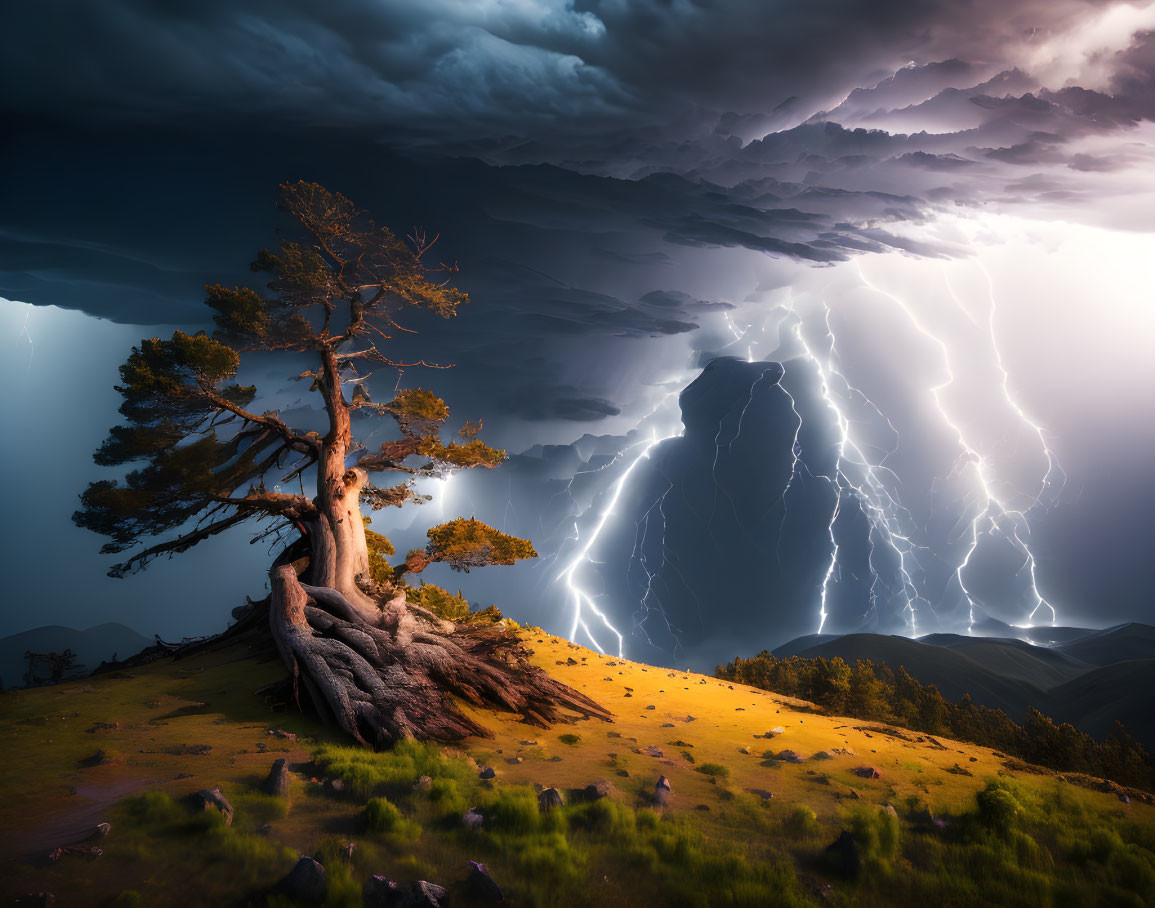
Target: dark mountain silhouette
x=1115, y=644
x=91, y=646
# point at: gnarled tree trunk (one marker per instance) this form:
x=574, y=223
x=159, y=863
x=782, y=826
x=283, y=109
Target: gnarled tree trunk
x=386, y=671
x=395, y=677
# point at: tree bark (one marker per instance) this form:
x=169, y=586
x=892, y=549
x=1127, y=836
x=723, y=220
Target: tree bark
x=396, y=677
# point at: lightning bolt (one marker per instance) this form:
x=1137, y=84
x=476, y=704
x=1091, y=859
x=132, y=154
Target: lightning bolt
x=24, y=333
x=570, y=576
x=857, y=475
x=994, y=515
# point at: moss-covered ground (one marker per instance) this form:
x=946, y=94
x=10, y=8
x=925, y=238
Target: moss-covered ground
x=1007, y=835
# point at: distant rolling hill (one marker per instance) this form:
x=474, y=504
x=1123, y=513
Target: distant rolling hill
x=1116, y=644
x=1121, y=691
x=1091, y=681
x=92, y=646
x=952, y=671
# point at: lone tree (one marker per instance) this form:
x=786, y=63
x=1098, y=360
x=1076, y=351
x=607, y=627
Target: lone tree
x=372, y=656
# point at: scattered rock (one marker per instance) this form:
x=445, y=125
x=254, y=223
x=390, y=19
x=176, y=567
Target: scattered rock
x=279, y=780
x=514, y=760
x=189, y=750
x=595, y=791
x=889, y=808
x=482, y=886
x=86, y=850
x=662, y=792
x=380, y=892
x=472, y=819
x=866, y=772
x=744, y=750
x=487, y=773
x=844, y=751
x=667, y=725
x=306, y=882
x=423, y=784
x=788, y=756
x=843, y=853
x=528, y=743
x=571, y=661
x=653, y=751
x=554, y=759
x=100, y=758
x=208, y=798
x=281, y=733
x=548, y=799
x=761, y=792
x=959, y=770
x=103, y=728
x=651, y=707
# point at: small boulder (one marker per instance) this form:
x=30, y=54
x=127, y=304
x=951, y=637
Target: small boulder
x=663, y=791
x=653, y=751
x=548, y=799
x=487, y=773
x=789, y=756
x=379, y=892
x=761, y=793
x=866, y=772
x=481, y=885
x=889, y=809
x=595, y=791
x=423, y=784
x=514, y=760
x=843, y=854
x=278, y=781
x=306, y=882
x=208, y=798
x=472, y=819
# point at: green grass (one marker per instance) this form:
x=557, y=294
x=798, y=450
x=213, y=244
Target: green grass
x=716, y=770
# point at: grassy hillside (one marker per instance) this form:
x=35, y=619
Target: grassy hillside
x=126, y=748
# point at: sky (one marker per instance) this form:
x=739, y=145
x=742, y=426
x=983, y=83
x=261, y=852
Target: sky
x=792, y=317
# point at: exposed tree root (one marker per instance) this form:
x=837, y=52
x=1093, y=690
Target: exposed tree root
x=395, y=678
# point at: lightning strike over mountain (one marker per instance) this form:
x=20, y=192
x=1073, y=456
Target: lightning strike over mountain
x=888, y=519
x=995, y=516
x=582, y=600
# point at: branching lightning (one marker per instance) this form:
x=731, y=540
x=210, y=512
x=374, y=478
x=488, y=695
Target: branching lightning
x=582, y=600
x=859, y=476
x=994, y=514
x=855, y=474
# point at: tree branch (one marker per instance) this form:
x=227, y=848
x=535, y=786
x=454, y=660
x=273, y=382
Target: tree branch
x=180, y=544
x=268, y=420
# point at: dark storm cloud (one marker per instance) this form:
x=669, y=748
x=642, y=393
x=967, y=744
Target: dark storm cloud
x=444, y=68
